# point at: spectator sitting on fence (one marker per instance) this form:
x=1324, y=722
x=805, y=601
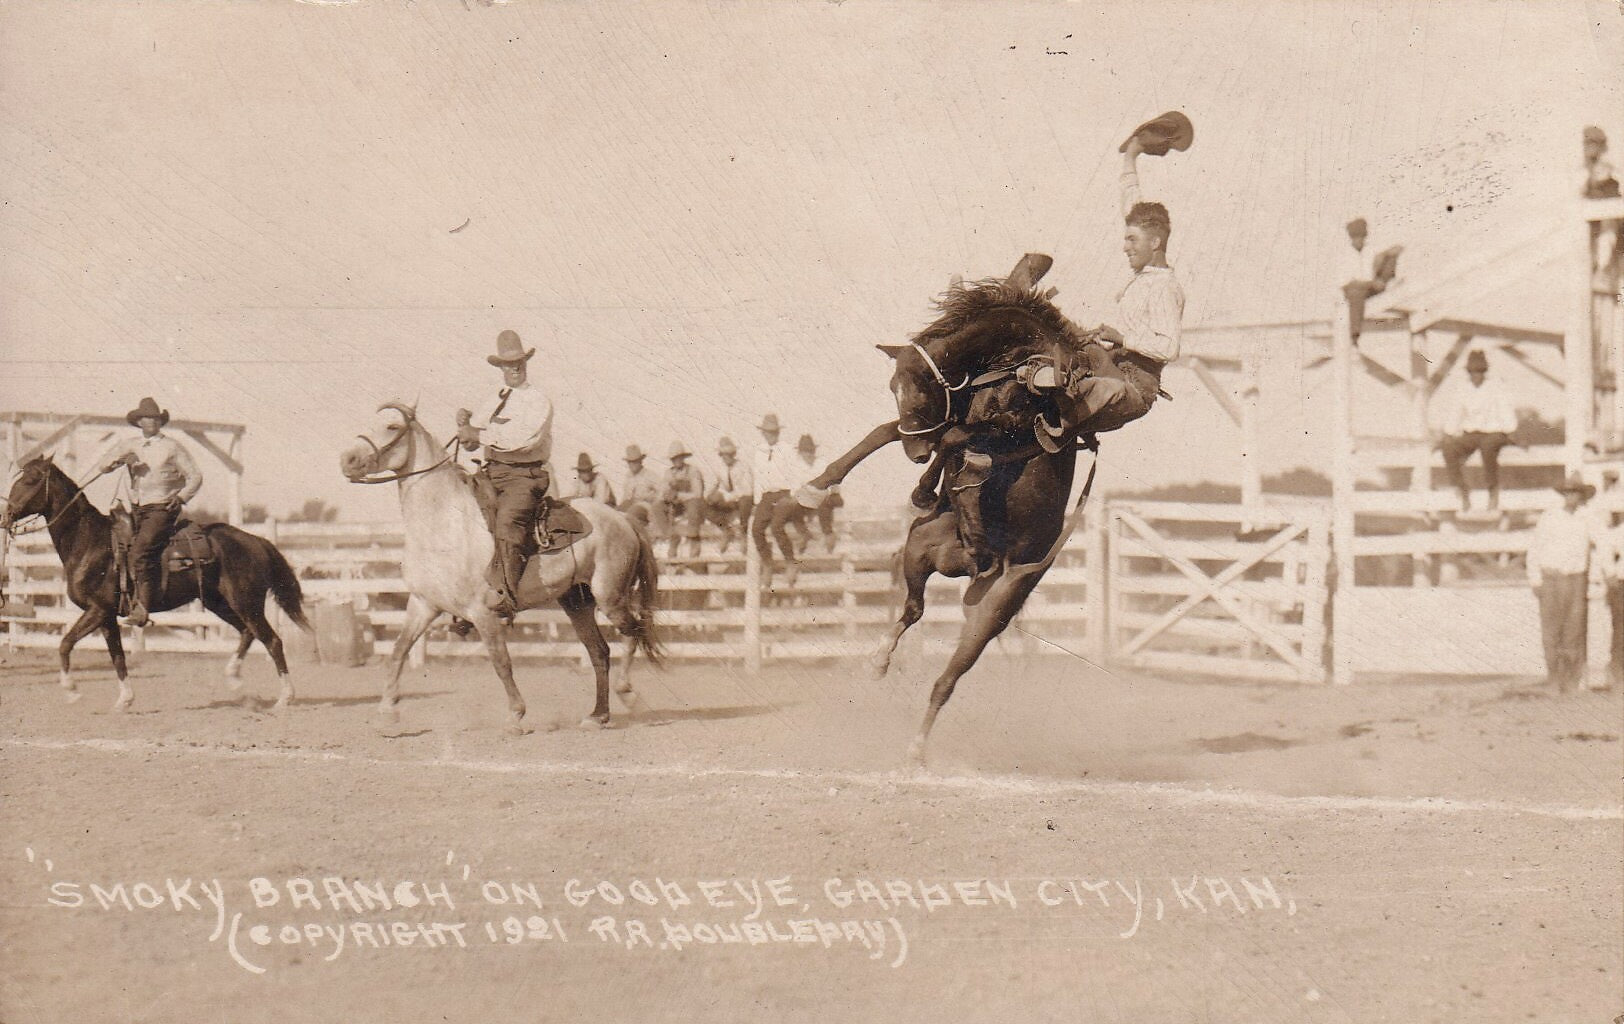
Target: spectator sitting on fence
x=684, y=499
x=1559, y=572
x=1601, y=183
x=808, y=450
x=730, y=498
x=1480, y=419
x=589, y=483
x=1364, y=272
x=774, y=476
x=640, y=495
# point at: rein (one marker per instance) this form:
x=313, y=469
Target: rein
x=411, y=435
x=79, y=492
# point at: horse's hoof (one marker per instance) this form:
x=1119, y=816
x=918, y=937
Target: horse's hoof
x=916, y=755
x=517, y=729
x=878, y=666
x=73, y=696
x=119, y=707
x=282, y=704
x=594, y=722
x=248, y=702
x=389, y=716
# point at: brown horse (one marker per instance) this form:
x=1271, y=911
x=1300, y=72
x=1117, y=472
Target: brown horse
x=233, y=586
x=953, y=383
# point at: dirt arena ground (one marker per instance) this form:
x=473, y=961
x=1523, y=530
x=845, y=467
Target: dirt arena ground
x=1085, y=846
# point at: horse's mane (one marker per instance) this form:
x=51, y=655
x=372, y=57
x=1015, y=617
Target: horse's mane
x=963, y=304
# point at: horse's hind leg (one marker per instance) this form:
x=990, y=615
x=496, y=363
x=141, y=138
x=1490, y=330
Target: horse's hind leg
x=261, y=629
x=115, y=650
x=981, y=623
x=216, y=604
x=579, y=605
x=916, y=570
x=419, y=616
x=87, y=623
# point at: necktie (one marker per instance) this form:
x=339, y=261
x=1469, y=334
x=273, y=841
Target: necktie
x=730, y=478
x=504, y=395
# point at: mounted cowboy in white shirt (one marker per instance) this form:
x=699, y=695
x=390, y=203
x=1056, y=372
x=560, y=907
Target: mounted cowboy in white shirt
x=162, y=478
x=516, y=431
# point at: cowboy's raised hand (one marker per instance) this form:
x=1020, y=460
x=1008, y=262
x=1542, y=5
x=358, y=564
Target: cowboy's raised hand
x=468, y=434
x=1108, y=335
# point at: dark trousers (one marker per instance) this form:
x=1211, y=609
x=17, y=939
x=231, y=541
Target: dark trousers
x=1457, y=448
x=1563, y=619
x=519, y=490
x=685, y=516
x=1142, y=375
x=769, y=514
x=724, y=514
x=1615, y=604
x=153, y=525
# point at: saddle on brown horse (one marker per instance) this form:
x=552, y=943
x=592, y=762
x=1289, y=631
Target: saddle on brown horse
x=187, y=549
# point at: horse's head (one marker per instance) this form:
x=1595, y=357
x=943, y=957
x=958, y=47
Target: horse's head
x=34, y=492
x=924, y=398
x=392, y=447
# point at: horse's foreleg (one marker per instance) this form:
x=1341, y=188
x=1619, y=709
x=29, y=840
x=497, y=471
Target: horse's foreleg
x=578, y=604
x=494, y=633
x=876, y=439
x=982, y=622
x=419, y=616
x=87, y=623
x=115, y=650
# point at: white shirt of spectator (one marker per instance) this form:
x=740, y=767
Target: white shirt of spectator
x=1484, y=409
x=773, y=467
x=1561, y=544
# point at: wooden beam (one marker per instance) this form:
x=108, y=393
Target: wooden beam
x=1213, y=386
x=50, y=439
x=1380, y=372
x=213, y=449
x=1447, y=363
x=1516, y=353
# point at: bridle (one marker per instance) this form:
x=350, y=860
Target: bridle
x=12, y=529
x=409, y=417
x=948, y=393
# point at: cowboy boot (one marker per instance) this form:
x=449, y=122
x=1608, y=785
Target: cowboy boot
x=966, y=491
x=508, y=567
x=693, y=547
x=146, y=595
x=1091, y=396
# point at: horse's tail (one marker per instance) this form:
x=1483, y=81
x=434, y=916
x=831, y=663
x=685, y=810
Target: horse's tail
x=285, y=587
x=645, y=593
x=284, y=582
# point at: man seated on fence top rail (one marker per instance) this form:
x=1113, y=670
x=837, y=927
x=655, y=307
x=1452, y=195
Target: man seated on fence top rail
x=731, y=495
x=1481, y=418
x=589, y=483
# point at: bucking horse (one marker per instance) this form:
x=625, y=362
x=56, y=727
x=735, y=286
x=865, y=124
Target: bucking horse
x=990, y=374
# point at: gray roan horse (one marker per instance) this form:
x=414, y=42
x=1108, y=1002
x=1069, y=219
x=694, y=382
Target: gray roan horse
x=448, y=547
x=954, y=384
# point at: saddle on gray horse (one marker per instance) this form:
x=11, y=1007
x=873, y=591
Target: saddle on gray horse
x=558, y=524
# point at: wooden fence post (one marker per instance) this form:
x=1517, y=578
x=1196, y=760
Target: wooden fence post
x=752, y=600
x=1342, y=478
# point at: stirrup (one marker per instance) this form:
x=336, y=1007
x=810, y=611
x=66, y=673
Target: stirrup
x=1050, y=439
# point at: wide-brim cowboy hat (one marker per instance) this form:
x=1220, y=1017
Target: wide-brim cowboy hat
x=769, y=422
x=510, y=351
x=584, y=463
x=1171, y=130
x=147, y=408
x=1575, y=484
x=678, y=450
x=634, y=453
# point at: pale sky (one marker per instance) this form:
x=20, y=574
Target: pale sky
x=699, y=212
